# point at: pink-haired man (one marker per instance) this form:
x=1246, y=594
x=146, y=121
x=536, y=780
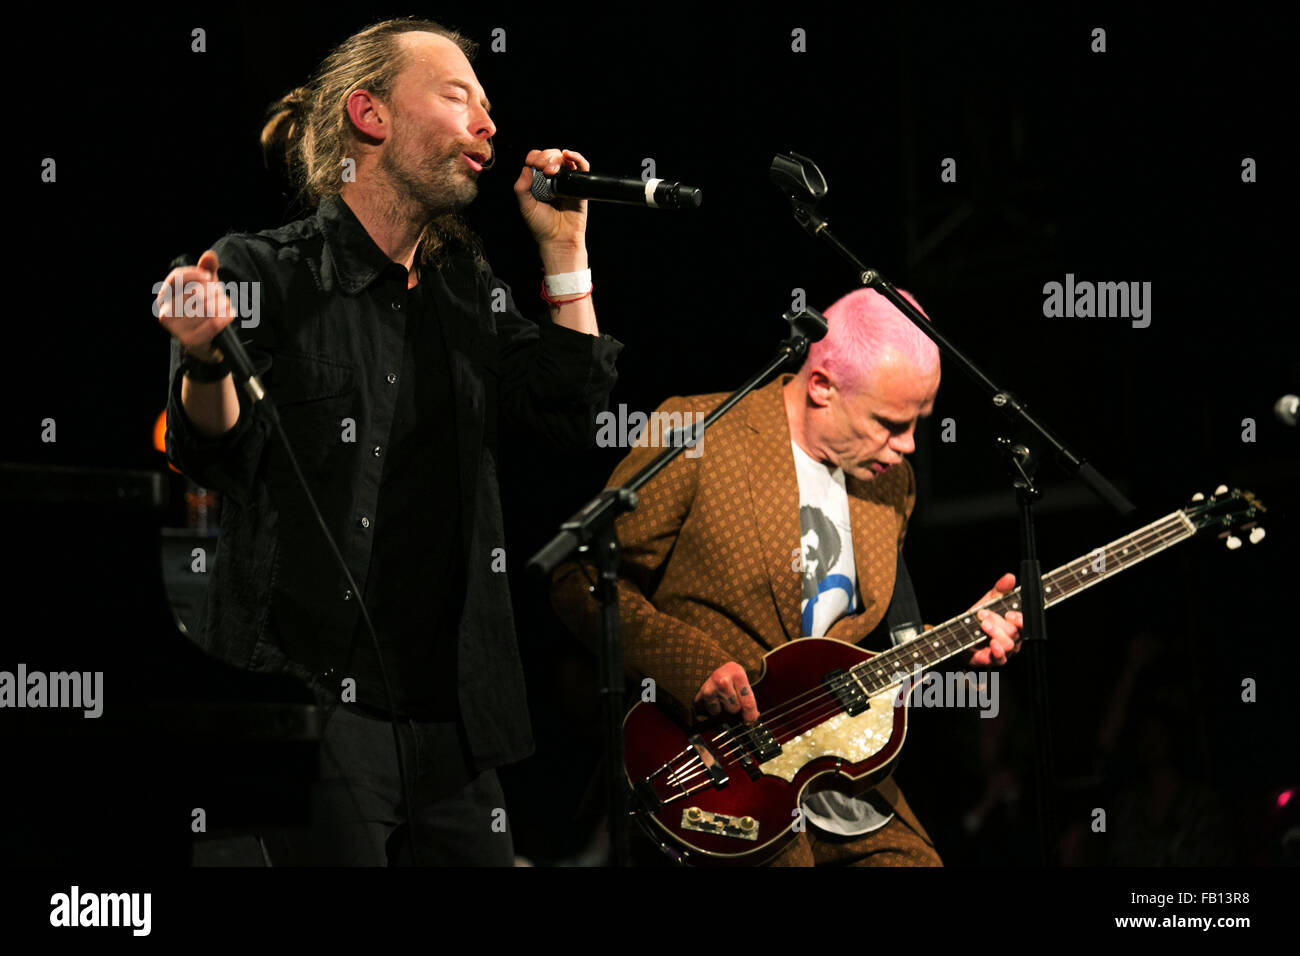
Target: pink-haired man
x=790, y=525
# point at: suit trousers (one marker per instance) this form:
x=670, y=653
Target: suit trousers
x=900, y=842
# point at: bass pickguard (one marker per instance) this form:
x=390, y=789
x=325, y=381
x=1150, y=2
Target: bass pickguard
x=851, y=738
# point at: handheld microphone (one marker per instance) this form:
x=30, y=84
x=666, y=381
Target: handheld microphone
x=576, y=184
x=232, y=351
x=226, y=343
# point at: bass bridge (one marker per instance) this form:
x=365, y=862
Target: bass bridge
x=703, y=764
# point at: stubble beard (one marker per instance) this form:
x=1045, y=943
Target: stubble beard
x=430, y=187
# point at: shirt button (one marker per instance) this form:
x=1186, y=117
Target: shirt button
x=397, y=305
x=375, y=451
x=365, y=522
x=347, y=594
x=392, y=377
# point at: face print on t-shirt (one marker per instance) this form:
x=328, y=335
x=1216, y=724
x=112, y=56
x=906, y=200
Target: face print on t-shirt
x=826, y=541
x=827, y=592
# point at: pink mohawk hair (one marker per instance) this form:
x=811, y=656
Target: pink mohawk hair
x=861, y=328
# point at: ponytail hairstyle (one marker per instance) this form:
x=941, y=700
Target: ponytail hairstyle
x=308, y=131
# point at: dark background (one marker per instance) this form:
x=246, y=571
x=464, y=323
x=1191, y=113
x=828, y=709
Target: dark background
x=1115, y=166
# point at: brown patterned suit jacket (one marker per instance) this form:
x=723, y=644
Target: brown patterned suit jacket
x=710, y=555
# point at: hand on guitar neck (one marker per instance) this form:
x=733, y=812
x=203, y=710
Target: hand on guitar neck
x=1003, y=632
x=728, y=687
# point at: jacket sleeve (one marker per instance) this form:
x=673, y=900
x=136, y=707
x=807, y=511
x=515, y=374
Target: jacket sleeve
x=228, y=462
x=676, y=655
x=554, y=380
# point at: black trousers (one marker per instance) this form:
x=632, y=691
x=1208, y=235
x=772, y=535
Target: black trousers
x=359, y=814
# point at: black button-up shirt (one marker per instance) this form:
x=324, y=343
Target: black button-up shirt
x=329, y=344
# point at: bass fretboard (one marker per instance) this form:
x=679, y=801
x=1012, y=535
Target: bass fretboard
x=963, y=632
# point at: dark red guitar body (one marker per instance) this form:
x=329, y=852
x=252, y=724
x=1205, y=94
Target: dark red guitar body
x=744, y=816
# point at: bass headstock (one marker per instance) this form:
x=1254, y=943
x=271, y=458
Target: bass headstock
x=1230, y=512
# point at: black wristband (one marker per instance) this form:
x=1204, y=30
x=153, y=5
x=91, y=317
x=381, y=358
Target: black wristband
x=203, y=373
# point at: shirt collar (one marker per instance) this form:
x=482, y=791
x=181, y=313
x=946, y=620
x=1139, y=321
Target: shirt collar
x=357, y=260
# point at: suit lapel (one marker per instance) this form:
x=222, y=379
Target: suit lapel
x=774, y=503
x=774, y=500
x=872, y=506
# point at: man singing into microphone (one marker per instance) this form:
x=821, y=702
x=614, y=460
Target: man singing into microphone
x=388, y=346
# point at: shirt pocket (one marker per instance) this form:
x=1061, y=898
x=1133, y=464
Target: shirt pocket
x=319, y=409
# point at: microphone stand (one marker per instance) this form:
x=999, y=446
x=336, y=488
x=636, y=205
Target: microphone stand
x=800, y=179
x=591, y=531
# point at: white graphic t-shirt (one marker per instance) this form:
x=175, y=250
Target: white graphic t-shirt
x=830, y=591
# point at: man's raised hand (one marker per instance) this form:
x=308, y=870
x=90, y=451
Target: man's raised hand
x=564, y=223
x=201, y=293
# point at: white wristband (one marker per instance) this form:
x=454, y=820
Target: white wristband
x=568, y=283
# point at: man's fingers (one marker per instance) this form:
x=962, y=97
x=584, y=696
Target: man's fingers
x=1002, y=635
x=193, y=305
x=995, y=625
x=705, y=698
x=578, y=158
x=727, y=693
x=180, y=277
x=208, y=262
x=220, y=311
x=550, y=161
x=728, y=689
x=1004, y=585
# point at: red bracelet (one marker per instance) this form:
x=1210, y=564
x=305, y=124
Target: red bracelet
x=558, y=302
